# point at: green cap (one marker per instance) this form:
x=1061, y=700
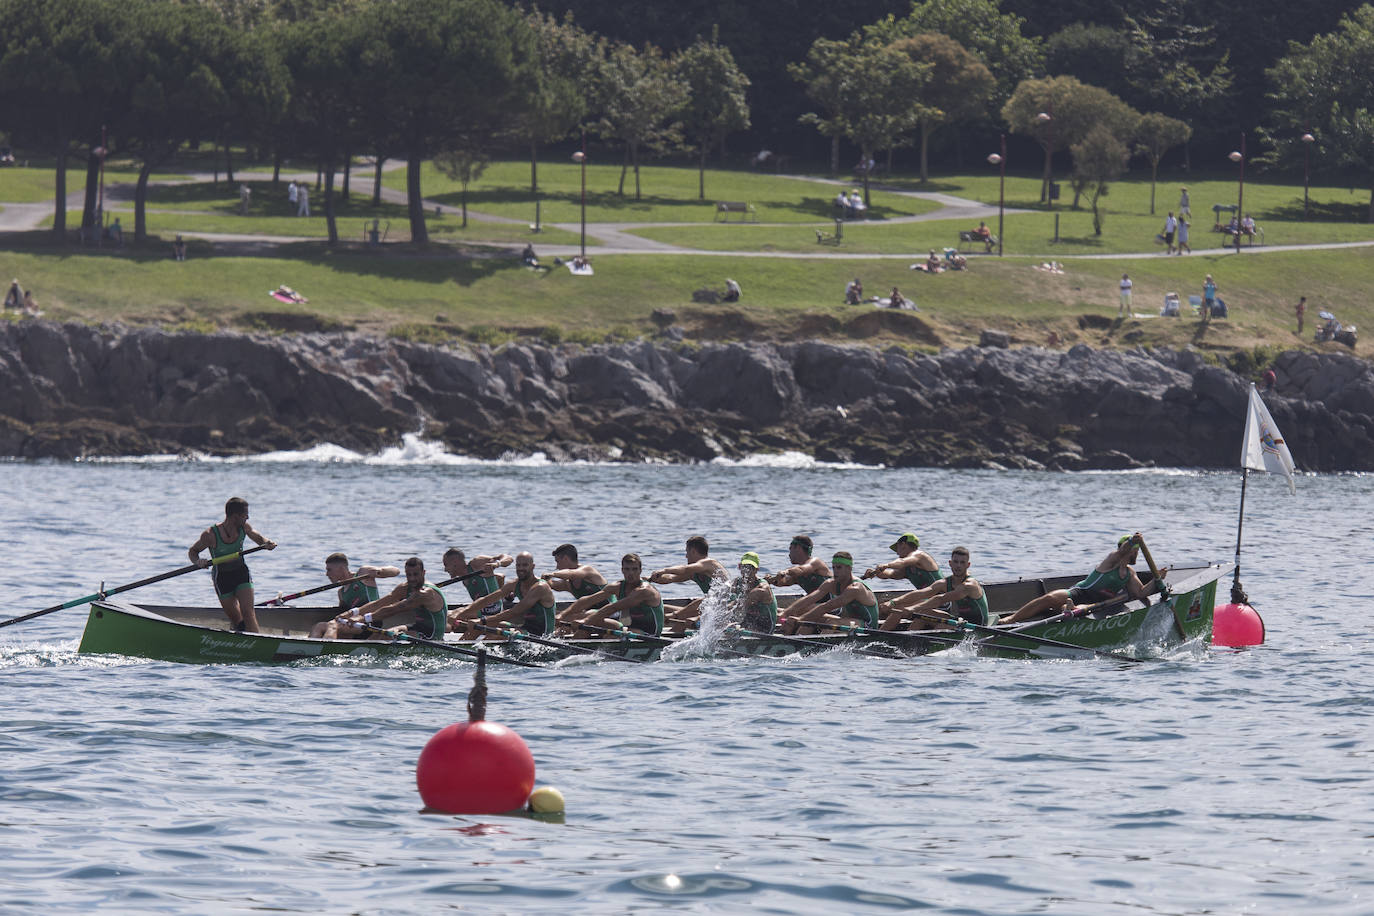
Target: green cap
x=1123, y=539
x=750, y=559
x=907, y=538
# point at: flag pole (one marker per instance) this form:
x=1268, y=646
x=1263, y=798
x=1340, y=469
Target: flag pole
x=1238, y=595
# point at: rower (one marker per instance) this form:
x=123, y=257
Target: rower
x=760, y=604
x=457, y=564
x=840, y=598
x=233, y=582
x=572, y=576
x=351, y=594
x=963, y=593
x=1110, y=579
x=912, y=563
x=532, y=604
x=699, y=568
x=636, y=603
x=416, y=594
x=807, y=571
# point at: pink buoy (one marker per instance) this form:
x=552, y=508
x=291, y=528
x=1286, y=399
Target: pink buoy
x=1237, y=625
x=475, y=768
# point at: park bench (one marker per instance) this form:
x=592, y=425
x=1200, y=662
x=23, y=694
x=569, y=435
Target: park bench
x=745, y=210
x=967, y=237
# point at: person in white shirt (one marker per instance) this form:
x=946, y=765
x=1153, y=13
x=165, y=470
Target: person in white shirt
x=1125, y=310
x=1170, y=226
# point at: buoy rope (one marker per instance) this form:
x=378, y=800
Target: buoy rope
x=477, y=696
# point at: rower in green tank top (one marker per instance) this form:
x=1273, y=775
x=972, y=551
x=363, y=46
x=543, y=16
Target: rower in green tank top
x=233, y=583
x=416, y=595
x=636, y=603
x=912, y=563
x=351, y=594
x=1114, y=577
x=530, y=599
x=759, y=603
x=806, y=571
x=486, y=580
x=572, y=576
x=841, y=600
x=963, y=593
x=699, y=568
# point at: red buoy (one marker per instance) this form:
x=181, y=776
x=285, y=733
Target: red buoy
x=475, y=768
x=1236, y=625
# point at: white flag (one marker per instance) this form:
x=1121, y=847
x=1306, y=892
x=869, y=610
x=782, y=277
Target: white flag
x=1264, y=448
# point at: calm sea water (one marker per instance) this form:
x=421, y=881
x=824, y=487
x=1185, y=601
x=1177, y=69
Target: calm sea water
x=1219, y=782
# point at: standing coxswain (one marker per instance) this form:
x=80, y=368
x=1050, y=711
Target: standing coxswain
x=233, y=581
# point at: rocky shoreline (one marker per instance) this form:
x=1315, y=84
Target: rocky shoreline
x=70, y=391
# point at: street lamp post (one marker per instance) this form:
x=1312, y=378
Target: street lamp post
x=1000, y=160
x=101, y=151
x=580, y=157
x=1307, y=141
x=1047, y=120
x=1238, y=157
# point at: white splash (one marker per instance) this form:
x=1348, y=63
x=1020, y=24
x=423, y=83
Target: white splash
x=790, y=460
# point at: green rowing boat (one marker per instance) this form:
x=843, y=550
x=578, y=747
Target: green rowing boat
x=197, y=635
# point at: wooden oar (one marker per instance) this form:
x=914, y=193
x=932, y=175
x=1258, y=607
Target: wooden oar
x=458, y=579
x=625, y=634
x=107, y=592
x=962, y=624
x=513, y=634
x=1158, y=580
x=282, y=599
x=906, y=634
x=446, y=647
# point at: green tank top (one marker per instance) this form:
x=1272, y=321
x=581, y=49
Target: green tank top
x=481, y=586
x=356, y=594
x=762, y=618
x=868, y=613
x=1110, y=581
x=647, y=617
x=811, y=581
x=222, y=548
x=433, y=622
x=974, y=610
x=920, y=578
x=703, y=582
x=538, y=619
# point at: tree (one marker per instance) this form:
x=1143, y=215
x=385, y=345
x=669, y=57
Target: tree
x=566, y=60
x=958, y=88
x=716, y=103
x=884, y=85
x=464, y=163
x=1096, y=54
x=1156, y=134
x=442, y=70
x=826, y=75
x=65, y=65
x=979, y=26
x=1073, y=110
x=639, y=100
x=1099, y=159
x=1327, y=87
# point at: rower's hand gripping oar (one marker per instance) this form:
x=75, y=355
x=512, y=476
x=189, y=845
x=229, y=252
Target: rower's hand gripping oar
x=107, y=592
x=282, y=599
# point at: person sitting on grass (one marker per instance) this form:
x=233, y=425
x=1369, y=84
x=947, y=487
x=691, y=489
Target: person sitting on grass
x=898, y=301
x=732, y=291
x=853, y=292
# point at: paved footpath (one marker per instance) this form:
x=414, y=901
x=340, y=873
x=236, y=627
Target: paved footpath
x=614, y=237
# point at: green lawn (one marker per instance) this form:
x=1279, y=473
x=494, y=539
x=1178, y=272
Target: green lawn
x=36, y=184
x=669, y=194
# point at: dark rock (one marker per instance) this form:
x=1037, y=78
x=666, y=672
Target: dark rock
x=991, y=338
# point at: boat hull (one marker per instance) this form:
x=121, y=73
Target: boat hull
x=197, y=636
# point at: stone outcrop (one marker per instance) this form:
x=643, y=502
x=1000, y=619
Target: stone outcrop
x=72, y=390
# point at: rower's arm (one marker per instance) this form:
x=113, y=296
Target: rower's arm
x=890, y=570
x=586, y=601
x=683, y=572
x=258, y=538
x=804, y=603
x=379, y=572
x=917, y=595
x=500, y=559
x=935, y=601
x=202, y=543
x=790, y=575
x=486, y=601
x=381, y=608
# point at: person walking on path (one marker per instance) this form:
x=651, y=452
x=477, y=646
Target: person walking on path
x=303, y=200
x=292, y=195
x=1183, y=227
x=1183, y=208
x=1300, y=309
x=1125, y=310
x=1170, y=226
